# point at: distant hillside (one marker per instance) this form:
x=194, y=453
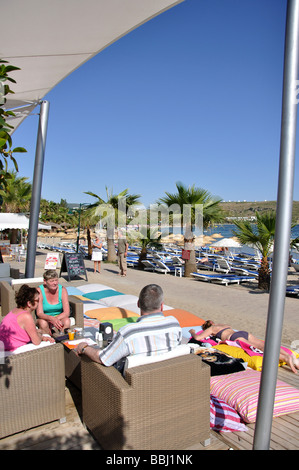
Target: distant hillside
x=248, y=209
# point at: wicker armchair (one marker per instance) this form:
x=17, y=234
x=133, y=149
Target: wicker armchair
x=164, y=405
x=8, y=293
x=32, y=389
x=7, y=273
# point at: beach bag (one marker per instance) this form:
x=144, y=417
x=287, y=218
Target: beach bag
x=185, y=254
x=222, y=364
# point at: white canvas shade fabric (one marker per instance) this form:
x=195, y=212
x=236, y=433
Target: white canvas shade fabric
x=49, y=39
x=17, y=221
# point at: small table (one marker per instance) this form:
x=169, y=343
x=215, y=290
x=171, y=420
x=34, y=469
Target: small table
x=72, y=362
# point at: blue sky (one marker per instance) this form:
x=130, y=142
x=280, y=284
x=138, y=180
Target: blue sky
x=194, y=95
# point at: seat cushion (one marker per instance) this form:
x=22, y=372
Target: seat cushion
x=184, y=317
x=241, y=392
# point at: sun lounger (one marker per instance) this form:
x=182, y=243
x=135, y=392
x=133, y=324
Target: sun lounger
x=295, y=266
x=148, y=265
x=132, y=261
x=224, y=266
x=292, y=290
x=247, y=263
x=224, y=279
x=177, y=261
x=164, y=268
x=245, y=272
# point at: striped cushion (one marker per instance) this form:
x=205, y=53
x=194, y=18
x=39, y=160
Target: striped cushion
x=223, y=418
x=241, y=389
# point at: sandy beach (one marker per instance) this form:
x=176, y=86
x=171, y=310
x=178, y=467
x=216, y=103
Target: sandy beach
x=244, y=307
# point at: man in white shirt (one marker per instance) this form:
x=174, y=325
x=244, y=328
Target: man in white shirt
x=151, y=334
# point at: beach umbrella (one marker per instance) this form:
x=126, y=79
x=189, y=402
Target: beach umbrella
x=203, y=240
x=70, y=236
x=216, y=235
x=227, y=243
x=58, y=234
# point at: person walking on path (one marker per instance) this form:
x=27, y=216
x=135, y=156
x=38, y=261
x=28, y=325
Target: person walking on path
x=122, y=253
x=97, y=255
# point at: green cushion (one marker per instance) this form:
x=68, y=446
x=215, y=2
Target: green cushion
x=119, y=322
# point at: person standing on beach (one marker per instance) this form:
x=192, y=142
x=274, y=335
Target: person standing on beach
x=122, y=253
x=96, y=255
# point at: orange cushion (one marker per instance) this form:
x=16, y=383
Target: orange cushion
x=109, y=313
x=184, y=318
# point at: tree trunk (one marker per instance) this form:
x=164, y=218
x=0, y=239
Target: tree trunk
x=264, y=275
x=142, y=256
x=14, y=236
x=89, y=250
x=111, y=257
x=190, y=264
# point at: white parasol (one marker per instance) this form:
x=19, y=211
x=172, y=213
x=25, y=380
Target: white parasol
x=227, y=243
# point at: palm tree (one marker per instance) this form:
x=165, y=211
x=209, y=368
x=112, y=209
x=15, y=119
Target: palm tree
x=261, y=236
x=211, y=213
x=15, y=197
x=294, y=243
x=57, y=213
x=88, y=219
x=109, y=210
x=152, y=240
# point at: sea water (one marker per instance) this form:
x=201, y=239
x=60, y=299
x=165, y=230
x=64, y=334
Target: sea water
x=227, y=231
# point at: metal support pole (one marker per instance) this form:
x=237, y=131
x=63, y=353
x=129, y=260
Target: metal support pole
x=36, y=189
x=79, y=224
x=263, y=427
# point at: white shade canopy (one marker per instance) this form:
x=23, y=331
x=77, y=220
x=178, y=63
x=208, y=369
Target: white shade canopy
x=10, y=220
x=49, y=39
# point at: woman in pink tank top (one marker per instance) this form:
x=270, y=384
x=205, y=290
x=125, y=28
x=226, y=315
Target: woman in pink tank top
x=17, y=327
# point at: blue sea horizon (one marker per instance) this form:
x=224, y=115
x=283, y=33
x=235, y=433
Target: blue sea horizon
x=227, y=231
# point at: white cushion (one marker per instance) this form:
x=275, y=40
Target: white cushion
x=25, y=348
x=133, y=307
x=89, y=306
x=119, y=300
x=139, y=360
x=87, y=288
x=27, y=280
x=4, y=270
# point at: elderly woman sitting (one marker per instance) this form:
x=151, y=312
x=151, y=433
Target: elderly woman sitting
x=53, y=309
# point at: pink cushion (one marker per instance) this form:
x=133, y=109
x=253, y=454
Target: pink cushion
x=241, y=389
